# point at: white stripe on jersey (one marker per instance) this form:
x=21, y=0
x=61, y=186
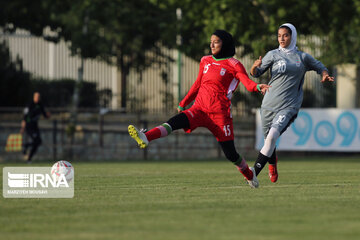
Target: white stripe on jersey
x=232, y=88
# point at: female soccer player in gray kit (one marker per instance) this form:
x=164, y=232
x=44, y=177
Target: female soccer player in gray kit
x=282, y=102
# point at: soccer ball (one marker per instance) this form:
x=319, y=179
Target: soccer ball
x=62, y=167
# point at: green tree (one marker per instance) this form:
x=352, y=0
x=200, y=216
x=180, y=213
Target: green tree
x=254, y=25
x=33, y=16
x=201, y=18
x=126, y=33
x=336, y=21
x=133, y=27
x=130, y=34
x=11, y=77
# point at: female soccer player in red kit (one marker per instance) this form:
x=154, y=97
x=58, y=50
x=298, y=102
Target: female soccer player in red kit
x=218, y=77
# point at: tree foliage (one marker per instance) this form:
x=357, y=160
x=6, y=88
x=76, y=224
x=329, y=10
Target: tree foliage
x=12, y=76
x=254, y=25
x=130, y=34
x=335, y=21
x=126, y=33
x=106, y=29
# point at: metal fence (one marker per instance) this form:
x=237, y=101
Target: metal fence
x=155, y=90
x=104, y=136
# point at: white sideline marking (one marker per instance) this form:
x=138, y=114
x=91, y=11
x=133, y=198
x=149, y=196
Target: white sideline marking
x=238, y=186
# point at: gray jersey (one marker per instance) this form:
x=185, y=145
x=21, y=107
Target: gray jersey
x=287, y=78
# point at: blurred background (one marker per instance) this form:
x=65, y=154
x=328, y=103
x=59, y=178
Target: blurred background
x=102, y=65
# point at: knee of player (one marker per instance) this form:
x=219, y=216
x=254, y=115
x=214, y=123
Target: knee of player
x=178, y=121
x=273, y=136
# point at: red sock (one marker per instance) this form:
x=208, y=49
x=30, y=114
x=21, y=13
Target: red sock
x=245, y=170
x=160, y=131
x=152, y=134
x=248, y=174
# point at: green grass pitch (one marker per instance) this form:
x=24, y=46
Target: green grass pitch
x=313, y=199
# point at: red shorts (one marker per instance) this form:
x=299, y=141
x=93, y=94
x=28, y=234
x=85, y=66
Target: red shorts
x=219, y=124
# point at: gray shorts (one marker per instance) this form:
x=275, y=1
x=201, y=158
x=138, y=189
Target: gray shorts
x=280, y=120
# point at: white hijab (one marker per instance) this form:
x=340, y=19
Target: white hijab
x=292, y=45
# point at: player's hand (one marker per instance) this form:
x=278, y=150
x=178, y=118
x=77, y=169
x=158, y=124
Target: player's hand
x=257, y=62
x=264, y=88
x=326, y=77
x=179, y=110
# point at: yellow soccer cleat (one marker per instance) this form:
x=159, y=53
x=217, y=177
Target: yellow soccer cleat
x=138, y=136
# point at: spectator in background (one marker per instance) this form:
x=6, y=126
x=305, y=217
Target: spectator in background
x=29, y=125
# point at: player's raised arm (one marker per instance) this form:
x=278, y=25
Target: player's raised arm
x=254, y=67
x=192, y=93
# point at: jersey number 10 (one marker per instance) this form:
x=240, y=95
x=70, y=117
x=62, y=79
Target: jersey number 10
x=281, y=66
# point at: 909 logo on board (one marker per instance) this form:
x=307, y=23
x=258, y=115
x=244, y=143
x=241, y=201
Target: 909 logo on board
x=319, y=129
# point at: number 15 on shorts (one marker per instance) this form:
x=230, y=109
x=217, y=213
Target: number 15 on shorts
x=227, y=130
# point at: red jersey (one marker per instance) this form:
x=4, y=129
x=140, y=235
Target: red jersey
x=215, y=84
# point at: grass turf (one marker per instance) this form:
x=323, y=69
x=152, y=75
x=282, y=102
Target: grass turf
x=313, y=199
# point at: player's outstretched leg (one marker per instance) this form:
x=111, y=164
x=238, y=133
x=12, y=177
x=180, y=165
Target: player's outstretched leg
x=273, y=173
x=143, y=138
x=138, y=136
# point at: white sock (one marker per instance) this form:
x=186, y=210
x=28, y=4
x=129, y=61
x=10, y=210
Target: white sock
x=270, y=142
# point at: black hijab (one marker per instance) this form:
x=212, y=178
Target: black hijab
x=228, y=45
